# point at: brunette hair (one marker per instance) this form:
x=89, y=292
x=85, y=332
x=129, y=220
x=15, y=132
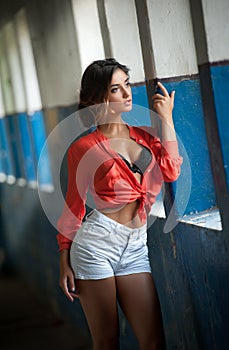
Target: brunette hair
x=96, y=80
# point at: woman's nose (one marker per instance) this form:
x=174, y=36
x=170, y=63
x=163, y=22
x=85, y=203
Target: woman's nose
x=126, y=92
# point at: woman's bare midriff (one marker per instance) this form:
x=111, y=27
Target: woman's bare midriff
x=127, y=215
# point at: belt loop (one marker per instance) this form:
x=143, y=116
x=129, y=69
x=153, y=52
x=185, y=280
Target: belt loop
x=89, y=214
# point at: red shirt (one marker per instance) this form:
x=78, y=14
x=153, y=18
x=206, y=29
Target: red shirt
x=94, y=166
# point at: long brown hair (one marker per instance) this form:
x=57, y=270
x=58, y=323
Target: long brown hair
x=96, y=80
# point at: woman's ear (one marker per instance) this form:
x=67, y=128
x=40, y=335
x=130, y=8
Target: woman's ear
x=109, y=110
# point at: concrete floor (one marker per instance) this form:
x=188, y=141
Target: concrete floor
x=27, y=324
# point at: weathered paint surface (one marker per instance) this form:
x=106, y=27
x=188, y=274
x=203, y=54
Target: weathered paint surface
x=216, y=28
x=189, y=123
x=190, y=266
x=220, y=81
x=27, y=151
x=15, y=145
x=172, y=38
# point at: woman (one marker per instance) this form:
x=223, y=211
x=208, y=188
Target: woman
x=123, y=168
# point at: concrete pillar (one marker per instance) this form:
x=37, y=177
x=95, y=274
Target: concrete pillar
x=88, y=31
x=15, y=68
x=211, y=35
x=124, y=36
x=7, y=90
x=56, y=52
x=32, y=89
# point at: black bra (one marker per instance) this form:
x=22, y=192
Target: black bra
x=141, y=163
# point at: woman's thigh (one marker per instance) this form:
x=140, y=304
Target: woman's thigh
x=138, y=299
x=99, y=302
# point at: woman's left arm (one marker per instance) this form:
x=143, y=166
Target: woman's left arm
x=163, y=105
x=166, y=150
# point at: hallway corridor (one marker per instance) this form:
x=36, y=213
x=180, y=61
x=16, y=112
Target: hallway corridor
x=26, y=323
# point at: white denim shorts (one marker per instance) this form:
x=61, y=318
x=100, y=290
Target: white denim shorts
x=104, y=248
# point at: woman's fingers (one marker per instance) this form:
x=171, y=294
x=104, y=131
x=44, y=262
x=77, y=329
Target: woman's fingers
x=159, y=97
x=172, y=96
x=72, y=287
x=68, y=286
x=72, y=283
x=66, y=292
x=163, y=102
x=74, y=295
x=64, y=286
x=163, y=89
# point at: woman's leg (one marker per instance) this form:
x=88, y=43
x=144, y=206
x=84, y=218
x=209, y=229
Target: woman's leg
x=98, y=300
x=138, y=299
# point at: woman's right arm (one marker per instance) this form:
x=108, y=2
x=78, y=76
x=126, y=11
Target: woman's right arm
x=66, y=281
x=70, y=221
x=74, y=208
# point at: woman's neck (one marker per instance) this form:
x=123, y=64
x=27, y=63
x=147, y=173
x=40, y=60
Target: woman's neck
x=114, y=129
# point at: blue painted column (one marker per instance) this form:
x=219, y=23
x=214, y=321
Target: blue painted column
x=14, y=139
x=27, y=149
x=7, y=169
x=39, y=139
x=220, y=83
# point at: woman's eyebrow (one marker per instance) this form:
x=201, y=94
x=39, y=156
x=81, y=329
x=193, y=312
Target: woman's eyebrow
x=119, y=83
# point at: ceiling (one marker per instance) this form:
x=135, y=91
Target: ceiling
x=8, y=8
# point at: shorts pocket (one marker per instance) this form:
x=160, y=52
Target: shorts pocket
x=92, y=236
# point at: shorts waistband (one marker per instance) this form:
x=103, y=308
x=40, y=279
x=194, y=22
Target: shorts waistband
x=97, y=216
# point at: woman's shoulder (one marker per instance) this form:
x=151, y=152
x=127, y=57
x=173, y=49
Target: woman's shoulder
x=84, y=142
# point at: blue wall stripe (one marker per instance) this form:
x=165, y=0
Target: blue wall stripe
x=5, y=150
x=14, y=138
x=27, y=150
x=2, y=153
x=140, y=113
x=39, y=138
x=220, y=81
x=190, y=127
x=2, y=168
x=189, y=123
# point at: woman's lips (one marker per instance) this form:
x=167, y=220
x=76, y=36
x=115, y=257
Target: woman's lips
x=128, y=102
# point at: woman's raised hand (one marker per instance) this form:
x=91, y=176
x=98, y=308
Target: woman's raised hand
x=163, y=104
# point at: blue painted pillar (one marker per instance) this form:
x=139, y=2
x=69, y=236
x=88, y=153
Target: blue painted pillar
x=41, y=155
x=220, y=83
x=27, y=149
x=6, y=165
x=14, y=139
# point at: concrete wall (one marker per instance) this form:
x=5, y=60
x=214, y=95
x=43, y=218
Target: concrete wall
x=217, y=34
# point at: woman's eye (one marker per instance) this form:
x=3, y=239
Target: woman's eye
x=114, y=90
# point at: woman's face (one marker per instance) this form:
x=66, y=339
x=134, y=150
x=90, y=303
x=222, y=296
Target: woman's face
x=119, y=92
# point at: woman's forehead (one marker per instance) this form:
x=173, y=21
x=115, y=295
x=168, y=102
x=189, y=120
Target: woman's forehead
x=119, y=76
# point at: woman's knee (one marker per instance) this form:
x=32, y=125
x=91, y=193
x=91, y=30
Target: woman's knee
x=106, y=342
x=153, y=342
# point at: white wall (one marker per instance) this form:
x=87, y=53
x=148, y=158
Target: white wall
x=2, y=108
x=32, y=91
x=15, y=68
x=172, y=38
x=7, y=92
x=67, y=35
x=124, y=35
x=88, y=31
x=216, y=14
x=55, y=50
